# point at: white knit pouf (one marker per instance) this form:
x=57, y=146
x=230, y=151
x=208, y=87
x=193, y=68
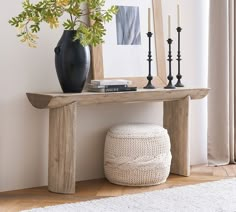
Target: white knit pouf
x=137, y=155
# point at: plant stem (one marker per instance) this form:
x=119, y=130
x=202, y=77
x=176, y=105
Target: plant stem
x=73, y=21
x=82, y=22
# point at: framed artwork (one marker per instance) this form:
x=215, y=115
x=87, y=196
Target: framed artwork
x=124, y=53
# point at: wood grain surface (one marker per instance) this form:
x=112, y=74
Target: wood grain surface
x=62, y=138
x=54, y=100
x=14, y=201
x=176, y=121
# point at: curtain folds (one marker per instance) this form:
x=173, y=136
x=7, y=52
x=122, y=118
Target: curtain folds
x=221, y=78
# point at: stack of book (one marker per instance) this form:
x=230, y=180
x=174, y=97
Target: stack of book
x=110, y=86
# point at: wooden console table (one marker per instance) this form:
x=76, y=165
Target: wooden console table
x=63, y=121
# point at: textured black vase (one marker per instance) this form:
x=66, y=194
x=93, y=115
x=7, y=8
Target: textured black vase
x=72, y=62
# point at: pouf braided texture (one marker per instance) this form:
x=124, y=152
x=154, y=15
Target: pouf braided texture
x=137, y=155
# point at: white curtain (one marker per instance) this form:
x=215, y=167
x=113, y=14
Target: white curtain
x=221, y=100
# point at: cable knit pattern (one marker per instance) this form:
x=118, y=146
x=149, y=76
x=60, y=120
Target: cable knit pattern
x=137, y=155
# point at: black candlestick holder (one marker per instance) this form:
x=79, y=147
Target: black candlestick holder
x=170, y=77
x=179, y=76
x=149, y=77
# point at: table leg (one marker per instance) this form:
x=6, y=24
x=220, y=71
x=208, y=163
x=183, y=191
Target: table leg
x=176, y=121
x=62, y=137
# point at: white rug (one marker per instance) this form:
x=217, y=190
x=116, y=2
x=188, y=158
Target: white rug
x=216, y=196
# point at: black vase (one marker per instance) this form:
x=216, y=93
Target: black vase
x=72, y=61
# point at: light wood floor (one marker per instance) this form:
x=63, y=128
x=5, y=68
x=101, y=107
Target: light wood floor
x=94, y=189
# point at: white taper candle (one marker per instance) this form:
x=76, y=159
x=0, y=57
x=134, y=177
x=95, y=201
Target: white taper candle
x=169, y=26
x=178, y=16
x=149, y=20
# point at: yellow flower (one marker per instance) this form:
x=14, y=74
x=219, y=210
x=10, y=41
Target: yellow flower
x=61, y=3
x=26, y=36
x=53, y=22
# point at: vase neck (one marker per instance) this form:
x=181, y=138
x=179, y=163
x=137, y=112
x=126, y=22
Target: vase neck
x=69, y=33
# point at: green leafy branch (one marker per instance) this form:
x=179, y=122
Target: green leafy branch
x=49, y=11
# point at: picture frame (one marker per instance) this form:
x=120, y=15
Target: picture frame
x=158, y=63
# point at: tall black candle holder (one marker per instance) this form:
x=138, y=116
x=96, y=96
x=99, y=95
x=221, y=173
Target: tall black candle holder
x=179, y=76
x=149, y=77
x=170, y=77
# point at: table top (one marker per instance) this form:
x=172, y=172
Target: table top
x=55, y=100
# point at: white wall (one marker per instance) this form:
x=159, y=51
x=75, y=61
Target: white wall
x=24, y=129
x=194, y=21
